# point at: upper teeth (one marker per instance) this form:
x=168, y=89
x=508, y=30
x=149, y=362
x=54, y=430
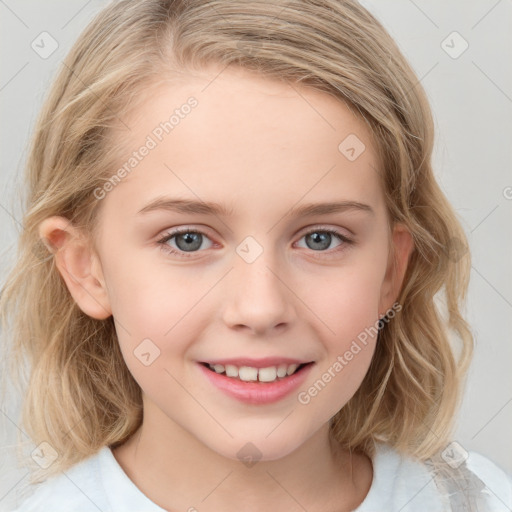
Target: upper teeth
x=248, y=373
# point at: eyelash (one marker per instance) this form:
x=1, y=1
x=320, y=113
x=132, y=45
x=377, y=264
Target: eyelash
x=163, y=241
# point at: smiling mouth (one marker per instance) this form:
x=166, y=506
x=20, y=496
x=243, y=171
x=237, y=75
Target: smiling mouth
x=251, y=374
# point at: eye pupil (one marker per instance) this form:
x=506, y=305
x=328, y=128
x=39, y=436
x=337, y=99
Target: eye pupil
x=192, y=241
x=322, y=238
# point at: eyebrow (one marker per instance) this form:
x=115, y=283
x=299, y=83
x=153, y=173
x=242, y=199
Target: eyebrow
x=216, y=209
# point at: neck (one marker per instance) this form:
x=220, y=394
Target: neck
x=178, y=472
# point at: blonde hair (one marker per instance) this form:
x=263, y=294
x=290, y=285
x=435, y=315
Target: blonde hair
x=80, y=395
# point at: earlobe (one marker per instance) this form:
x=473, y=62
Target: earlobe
x=403, y=246
x=78, y=265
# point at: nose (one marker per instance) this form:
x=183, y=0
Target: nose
x=258, y=298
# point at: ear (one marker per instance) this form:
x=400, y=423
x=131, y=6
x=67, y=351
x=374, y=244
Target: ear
x=402, y=247
x=78, y=264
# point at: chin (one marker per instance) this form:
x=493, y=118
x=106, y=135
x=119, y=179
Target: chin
x=257, y=448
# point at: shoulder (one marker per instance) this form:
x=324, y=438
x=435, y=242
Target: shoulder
x=75, y=489
x=96, y=483
x=465, y=480
x=498, y=483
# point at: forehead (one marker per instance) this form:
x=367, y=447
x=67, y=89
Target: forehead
x=236, y=135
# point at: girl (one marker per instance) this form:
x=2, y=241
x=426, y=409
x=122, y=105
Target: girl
x=238, y=276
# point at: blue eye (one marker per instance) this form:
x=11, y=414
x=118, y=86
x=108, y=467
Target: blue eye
x=189, y=241
x=186, y=240
x=322, y=238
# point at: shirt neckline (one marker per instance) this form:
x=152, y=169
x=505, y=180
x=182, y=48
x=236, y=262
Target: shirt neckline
x=379, y=494
x=113, y=476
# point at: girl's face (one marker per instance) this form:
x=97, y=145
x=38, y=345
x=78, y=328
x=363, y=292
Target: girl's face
x=255, y=274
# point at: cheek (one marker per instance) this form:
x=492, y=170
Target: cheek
x=150, y=297
x=348, y=352
x=348, y=300
x=335, y=383
x=157, y=312
x=349, y=310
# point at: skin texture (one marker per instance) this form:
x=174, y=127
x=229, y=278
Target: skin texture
x=261, y=148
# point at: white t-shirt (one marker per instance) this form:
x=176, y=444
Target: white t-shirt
x=399, y=484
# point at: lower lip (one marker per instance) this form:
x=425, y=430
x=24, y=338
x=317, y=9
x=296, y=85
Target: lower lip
x=257, y=392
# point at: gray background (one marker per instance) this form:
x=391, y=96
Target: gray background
x=471, y=97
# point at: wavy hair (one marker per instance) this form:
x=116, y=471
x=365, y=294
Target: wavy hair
x=78, y=393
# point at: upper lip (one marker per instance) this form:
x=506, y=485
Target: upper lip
x=257, y=363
